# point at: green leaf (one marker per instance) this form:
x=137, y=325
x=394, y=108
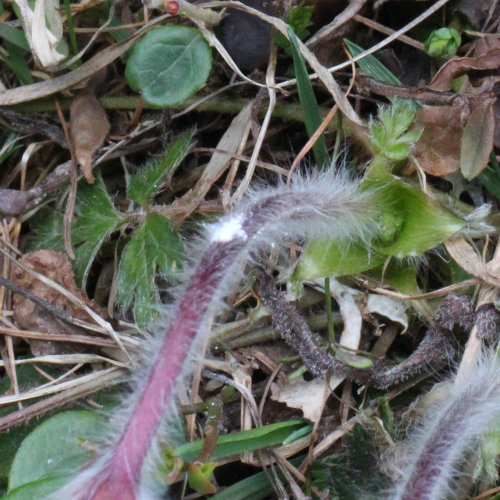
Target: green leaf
x=95, y=220
x=199, y=476
x=443, y=42
x=256, y=487
x=352, y=358
x=299, y=18
x=9, y=145
x=409, y=223
x=38, y=489
x=154, y=246
x=371, y=65
x=308, y=101
x=14, y=35
x=47, y=224
x=490, y=449
x=16, y=61
x=27, y=377
x=168, y=65
x=376, y=70
x=55, y=448
x=401, y=276
x=424, y=222
x=240, y=442
x=490, y=177
x=389, y=136
x=146, y=184
x=336, y=258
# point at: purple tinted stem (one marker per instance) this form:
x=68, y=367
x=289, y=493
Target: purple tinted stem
x=123, y=470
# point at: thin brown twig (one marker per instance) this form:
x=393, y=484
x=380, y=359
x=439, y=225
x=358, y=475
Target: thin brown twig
x=388, y=31
x=70, y=202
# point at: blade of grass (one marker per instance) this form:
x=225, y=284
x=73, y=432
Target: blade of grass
x=371, y=65
x=71, y=27
x=308, y=101
x=240, y=442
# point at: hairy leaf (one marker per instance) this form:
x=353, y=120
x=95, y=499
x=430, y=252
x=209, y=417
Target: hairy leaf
x=95, y=220
x=145, y=184
x=154, y=246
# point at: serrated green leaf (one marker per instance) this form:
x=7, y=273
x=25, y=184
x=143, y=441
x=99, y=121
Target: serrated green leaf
x=55, y=447
x=168, y=65
x=154, y=246
x=95, y=220
x=240, y=442
x=388, y=135
x=378, y=136
x=146, y=184
x=398, y=151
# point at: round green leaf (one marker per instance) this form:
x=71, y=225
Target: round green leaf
x=169, y=64
x=55, y=448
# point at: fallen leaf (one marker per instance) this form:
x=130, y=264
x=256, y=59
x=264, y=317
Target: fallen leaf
x=309, y=397
x=29, y=316
x=388, y=307
x=438, y=148
x=443, y=79
x=477, y=139
x=89, y=127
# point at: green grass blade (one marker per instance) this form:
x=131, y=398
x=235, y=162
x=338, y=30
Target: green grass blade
x=308, y=101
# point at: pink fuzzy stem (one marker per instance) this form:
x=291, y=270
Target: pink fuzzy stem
x=282, y=211
x=122, y=472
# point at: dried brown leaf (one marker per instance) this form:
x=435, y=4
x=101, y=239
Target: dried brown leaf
x=438, y=148
x=477, y=139
x=461, y=65
x=30, y=316
x=89, y=127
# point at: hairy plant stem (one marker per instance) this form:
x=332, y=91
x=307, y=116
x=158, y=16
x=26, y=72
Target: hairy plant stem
x=325, y=203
